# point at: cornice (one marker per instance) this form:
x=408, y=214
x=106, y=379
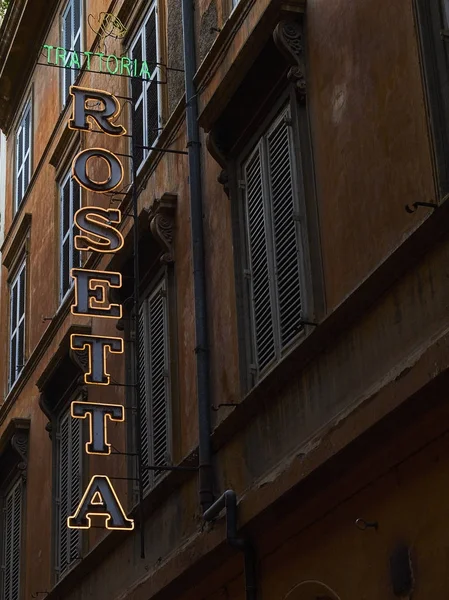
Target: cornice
x=21, y=35
x=266, y=22
x=21, y=228
x=47, y=338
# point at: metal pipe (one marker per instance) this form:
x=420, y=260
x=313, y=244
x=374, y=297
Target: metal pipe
x=228, y=501
x=136, y=366
x=199, y=283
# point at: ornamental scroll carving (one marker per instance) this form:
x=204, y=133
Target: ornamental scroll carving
x=19, y=442
x=162, y=221
x=81, y=358
x=289, y=39
x=219, y=155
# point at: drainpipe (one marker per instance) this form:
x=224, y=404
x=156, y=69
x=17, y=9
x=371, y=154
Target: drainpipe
x=228, y=501
x=199, y=283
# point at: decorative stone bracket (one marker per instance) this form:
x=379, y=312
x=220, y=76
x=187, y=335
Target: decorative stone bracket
x=219, y=155
x=289, y=39
x=15, y=438
x=162, y=220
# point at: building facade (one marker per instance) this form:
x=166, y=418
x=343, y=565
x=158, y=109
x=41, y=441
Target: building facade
x=283, y=290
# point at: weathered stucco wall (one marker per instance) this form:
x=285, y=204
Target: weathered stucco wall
x=372, y=156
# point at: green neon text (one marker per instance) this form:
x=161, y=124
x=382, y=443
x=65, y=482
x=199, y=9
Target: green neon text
x=98, y=62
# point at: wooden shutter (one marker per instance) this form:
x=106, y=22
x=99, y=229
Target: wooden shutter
x=65, y=237
x=70, y=197
x=259, y=274
x=143, y=401
x=17, y=325
x=12, y=533
x=27, y=150
x=67, y=20
x=275, y=260
x=145, y=93
x=72, y=41
x=23, y=155
x=69, y=490
x=285, y=228
x=76, y=205
x=155, y=380
x=152, y=121
x=159, y=365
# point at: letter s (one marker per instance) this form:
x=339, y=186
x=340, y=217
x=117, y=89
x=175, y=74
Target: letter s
x=96, y=221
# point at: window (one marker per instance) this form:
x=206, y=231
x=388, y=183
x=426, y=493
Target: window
x=70, y=198
x=147, y=118
x=68, y=490
x=17, y=324
x=11, y=550
x=154, y=381
x=273, y=264
x=23, y=155
x=445, y=8
x=433, y=21
x=71, y=40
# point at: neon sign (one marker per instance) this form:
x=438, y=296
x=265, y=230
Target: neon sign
x=99, y=234
x=97, y=62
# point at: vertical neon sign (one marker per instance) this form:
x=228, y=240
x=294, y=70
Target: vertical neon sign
x=99, y=233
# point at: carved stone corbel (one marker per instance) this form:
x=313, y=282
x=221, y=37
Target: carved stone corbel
x=162, y=221
x=19, y=442
x=289, y=39
x=218, y=155
x=80, y=358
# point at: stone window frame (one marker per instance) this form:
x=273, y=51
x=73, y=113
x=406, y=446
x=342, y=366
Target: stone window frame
x=228, y=148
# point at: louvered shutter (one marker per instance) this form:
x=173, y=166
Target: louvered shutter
x=159, y=376
x=258, y=263
x=27, y=150
x=23, y=155
x=70, y=198
x=65, y=237
x=146, y=116
x=143, y=377
x=12, y=533
x=137, y=87
x=19, y=165
x=284, y=212
x=76, y=205
x=69, y=490
x=72, y=41
x=67, y=43
x=154, y=368
x=17, y=325
x=152, y=86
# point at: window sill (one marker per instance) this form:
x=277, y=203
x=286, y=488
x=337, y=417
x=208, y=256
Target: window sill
x=36, y=356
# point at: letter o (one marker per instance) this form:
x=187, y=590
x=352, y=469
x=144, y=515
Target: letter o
x=79, y=170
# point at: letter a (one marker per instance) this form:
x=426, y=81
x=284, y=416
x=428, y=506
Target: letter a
x=100, y=500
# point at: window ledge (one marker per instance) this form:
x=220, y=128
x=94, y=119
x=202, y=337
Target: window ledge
x=244, y=56
x=36, y=356
x=427, y=234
